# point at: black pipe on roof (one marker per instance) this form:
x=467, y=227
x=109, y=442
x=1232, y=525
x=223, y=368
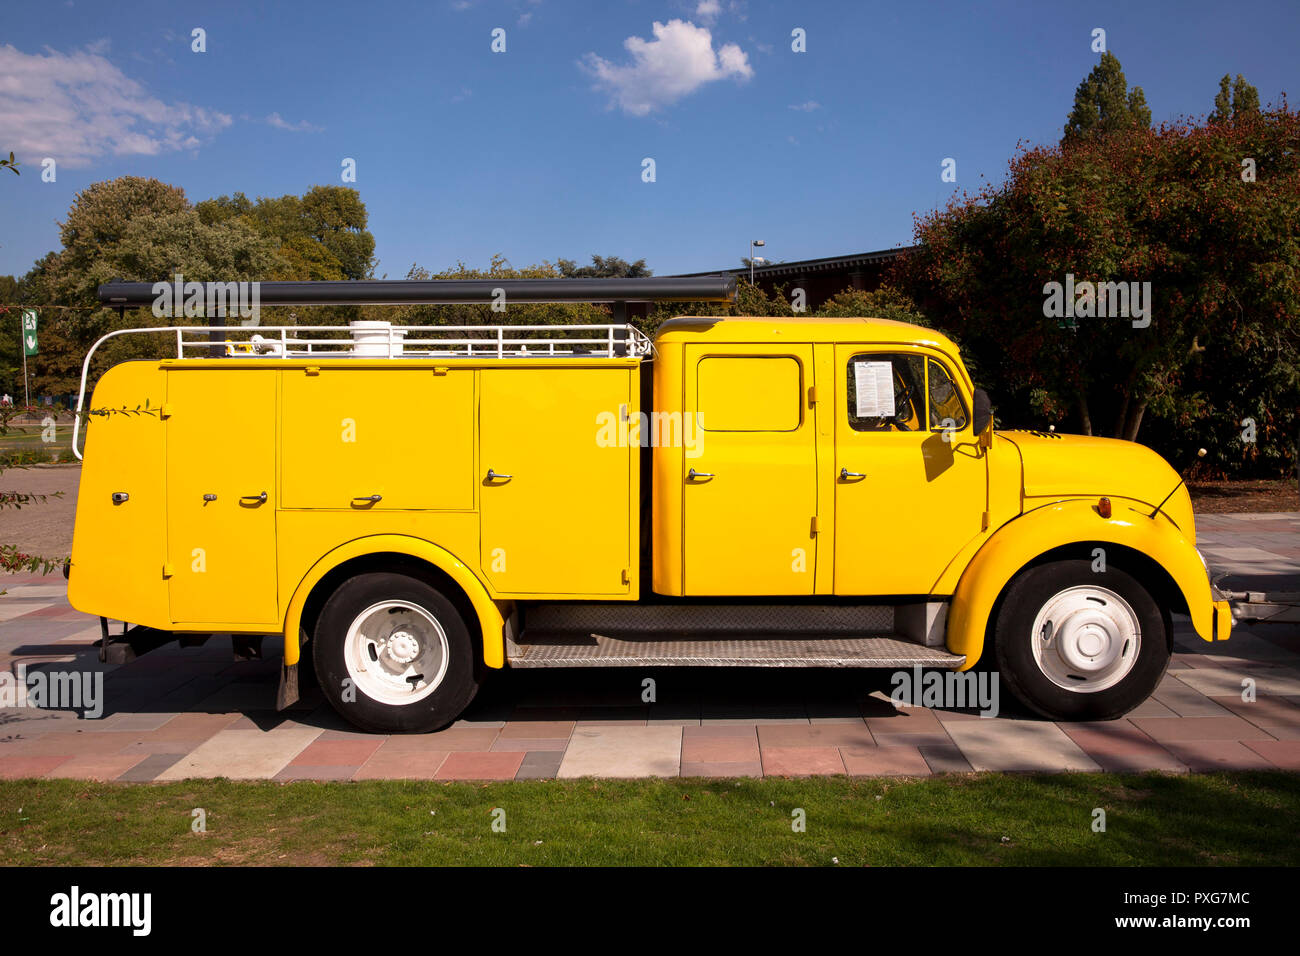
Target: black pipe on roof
x=718, y=288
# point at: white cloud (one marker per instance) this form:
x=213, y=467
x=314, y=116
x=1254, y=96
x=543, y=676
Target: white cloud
x=302, y=126
x=708, y=10
x=807, y=106
x=677, y=62
x=78, y=106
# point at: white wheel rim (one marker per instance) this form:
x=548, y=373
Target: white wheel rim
x=396, y=652
x=1086, y=639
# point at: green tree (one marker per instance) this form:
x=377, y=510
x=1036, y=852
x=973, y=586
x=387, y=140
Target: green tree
x=1103, y=104
x=1234, y=100
x=1172, y=207
x=603, y=267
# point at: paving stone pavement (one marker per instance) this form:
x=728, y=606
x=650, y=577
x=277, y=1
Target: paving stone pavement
x=194, y=712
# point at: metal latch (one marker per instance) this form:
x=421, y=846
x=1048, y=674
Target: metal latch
x=119, y=497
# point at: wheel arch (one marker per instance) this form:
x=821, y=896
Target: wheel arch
x=1150, y=549
x=397, y=553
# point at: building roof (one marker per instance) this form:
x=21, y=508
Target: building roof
x=811, y=266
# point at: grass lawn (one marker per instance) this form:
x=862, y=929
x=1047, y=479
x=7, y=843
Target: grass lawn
x=1151, y=819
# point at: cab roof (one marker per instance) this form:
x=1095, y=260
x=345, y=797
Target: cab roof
x=758, y=328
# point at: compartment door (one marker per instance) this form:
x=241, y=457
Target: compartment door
x=220, y=462
x=751, y=505
x=562, y=522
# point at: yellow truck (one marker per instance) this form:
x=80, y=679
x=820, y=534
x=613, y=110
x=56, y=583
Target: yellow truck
x=413, y=507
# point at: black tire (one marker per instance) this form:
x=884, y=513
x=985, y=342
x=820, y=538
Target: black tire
x=440, y=707
x=1029, y=593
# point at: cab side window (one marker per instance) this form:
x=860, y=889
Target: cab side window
x=750, y=393
x=886, y=392
x=947, y=411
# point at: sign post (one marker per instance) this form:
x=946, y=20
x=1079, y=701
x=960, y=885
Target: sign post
x=29, y=348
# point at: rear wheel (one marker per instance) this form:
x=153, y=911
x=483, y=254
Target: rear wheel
x=1073, y=644
x=393, y=654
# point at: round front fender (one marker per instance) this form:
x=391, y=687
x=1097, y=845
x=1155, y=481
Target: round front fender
x=1019, y=542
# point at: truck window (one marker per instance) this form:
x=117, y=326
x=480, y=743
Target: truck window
x=750, y=393
x=886, y=392
x=946, y=408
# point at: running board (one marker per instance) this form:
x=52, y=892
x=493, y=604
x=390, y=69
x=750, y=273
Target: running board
x=568, y=649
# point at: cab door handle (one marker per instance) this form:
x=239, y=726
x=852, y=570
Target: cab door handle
x=260, y=499
x=692, y=475
x=373, y=499
x=493, y=476
x=846, y=475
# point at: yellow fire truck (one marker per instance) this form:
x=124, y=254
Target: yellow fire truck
x=411, y=507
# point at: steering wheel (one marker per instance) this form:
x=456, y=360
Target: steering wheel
x=901, y=416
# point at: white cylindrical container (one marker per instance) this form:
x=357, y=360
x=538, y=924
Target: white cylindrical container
x=371, y=338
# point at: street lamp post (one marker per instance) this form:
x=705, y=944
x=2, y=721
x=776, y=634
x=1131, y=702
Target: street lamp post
x=752, y=244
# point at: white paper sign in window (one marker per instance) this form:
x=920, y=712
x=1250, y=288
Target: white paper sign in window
x=875, y=389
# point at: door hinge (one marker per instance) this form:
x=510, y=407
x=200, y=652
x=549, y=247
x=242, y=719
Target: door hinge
x=984, y=521
x=812, y=395
x=168, y=570
x=166, y=410
x=816, y=525
x=627, y=577
x=440, y=370
x=312, y=370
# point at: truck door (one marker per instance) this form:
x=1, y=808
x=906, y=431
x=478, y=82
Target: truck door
x=559, y=504
x=910, y=478
x=750, y=483
x=221, y=496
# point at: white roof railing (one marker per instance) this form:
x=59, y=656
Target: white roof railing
x=389, y=343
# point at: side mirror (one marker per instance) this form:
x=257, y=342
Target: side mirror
x=983, y=414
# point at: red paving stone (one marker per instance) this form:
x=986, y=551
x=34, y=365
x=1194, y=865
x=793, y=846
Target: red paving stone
x=458, y=738
x=480, y=766
x=539, y=728
x=1119, y=745
x=801, y=761
x=743, y=768
x=815, y=735
x=729, y=749
x=97, y=766
x=401, y=765
x=336, y=753
x=12, y=768
x=1168, y=729
x=1284, y=754
x=1205, y=755
x=884, y=761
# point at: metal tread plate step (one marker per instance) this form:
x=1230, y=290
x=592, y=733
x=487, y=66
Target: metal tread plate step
x=567, y=649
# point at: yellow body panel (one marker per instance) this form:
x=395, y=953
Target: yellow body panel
x=1068, y=522
x=117, y=550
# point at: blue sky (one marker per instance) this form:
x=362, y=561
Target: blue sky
x=536, y=153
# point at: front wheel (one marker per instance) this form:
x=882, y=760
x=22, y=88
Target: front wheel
x=1074, y=644
x=393, y=655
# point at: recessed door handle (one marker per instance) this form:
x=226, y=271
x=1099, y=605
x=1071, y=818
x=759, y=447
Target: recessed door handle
x=260, y=499
x=493, y=476
x=370, y=498
x=845, y=474
x=692, y=475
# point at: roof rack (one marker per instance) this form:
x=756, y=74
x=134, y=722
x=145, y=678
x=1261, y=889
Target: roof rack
x=381, y=340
